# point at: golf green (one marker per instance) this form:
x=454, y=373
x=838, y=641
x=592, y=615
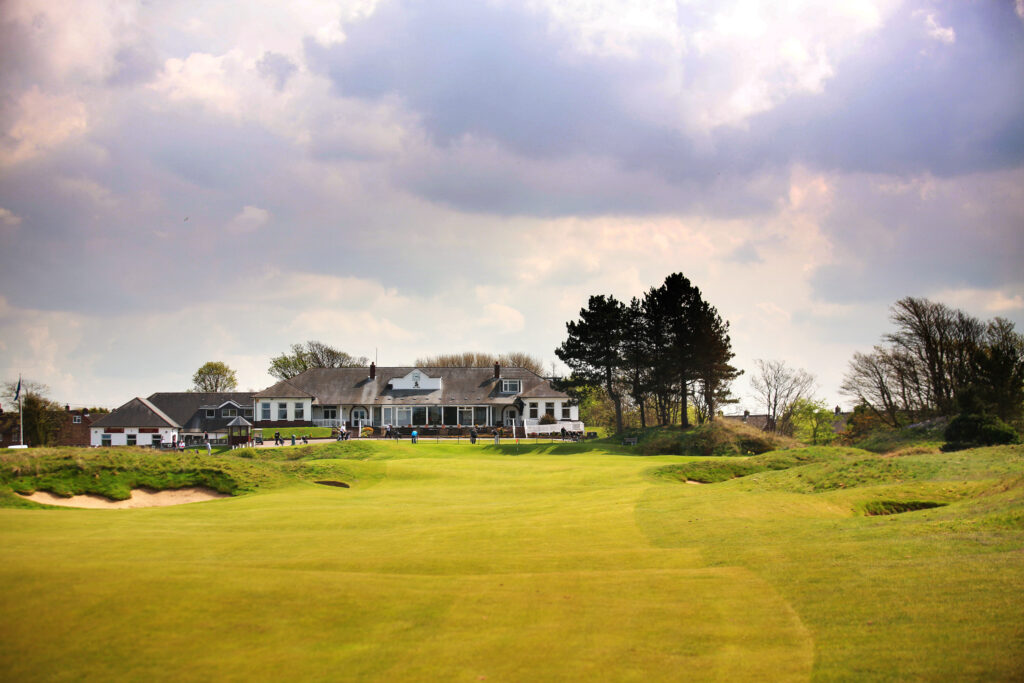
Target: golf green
x=448, y=562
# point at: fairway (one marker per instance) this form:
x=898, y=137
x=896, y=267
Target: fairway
x=451, y=562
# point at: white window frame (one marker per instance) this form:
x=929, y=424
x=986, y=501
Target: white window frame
x=229, y=412
x=211, y=412
x=77, y=419
x=105, y=439
x=131, y=440
x=534, y=410
x=566, y=411
x=265, y=410
x=300, y=410
x=282, y=408
x=511, y=386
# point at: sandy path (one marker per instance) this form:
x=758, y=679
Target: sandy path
x=141, y=498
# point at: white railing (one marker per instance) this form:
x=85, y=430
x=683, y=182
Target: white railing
x=533, y=426
x=326, y=423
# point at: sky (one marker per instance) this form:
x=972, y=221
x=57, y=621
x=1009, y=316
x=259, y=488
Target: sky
x=187, y=181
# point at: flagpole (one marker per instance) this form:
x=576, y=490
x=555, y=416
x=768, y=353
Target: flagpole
x=21, y=422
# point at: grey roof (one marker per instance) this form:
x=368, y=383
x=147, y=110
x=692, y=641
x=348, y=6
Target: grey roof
x=287, y=389
x=239, y=422
x=459, y=386
x=138, y=412
x=183, y=405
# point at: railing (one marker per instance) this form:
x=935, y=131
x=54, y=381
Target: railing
x=533, y=426
x=326, y=423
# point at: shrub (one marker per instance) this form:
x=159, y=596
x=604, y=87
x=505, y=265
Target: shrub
x=547, y=419
x=966, y=431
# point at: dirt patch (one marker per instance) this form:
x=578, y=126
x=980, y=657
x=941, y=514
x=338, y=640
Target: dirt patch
x=141, y=498
x=327, y=482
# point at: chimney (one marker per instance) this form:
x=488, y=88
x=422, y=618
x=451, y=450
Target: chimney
x=67, y=408
x=497, y=371
x=373, y=371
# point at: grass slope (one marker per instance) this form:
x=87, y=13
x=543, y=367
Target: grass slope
x=546, y=562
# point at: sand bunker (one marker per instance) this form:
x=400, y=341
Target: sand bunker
x=141, y=498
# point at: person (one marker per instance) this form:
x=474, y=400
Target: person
x=415, y=435
x=209, y=451
x=387, y=434
x=564, y=432
x=277, y=439
x=305, y=438
x=293, y=438
x=473, y=433
x=342, y=432
x=497, y=437
x=181, y=445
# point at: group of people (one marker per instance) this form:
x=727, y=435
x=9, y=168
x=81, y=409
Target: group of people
x=343, y=433
x=279, y=440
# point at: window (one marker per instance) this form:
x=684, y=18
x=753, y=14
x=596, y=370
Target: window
x=465, y=416
x=77, y=419
x=300, y=411
x=264, y=411
x=549, y=408
x=358, y=414
x=450, y=415
x=130, y=439
x=211, y=412
x=403, y=415
x=434, y=415
x=330, y=413
x=566, y=415
x=157, y=440
x=377, y=417
x=282, y=411
x=419, y=415
x=533, y=410
x=247, y=412
x=229, y=412
x=105, y=439
x=511, y=386
x=480, y=415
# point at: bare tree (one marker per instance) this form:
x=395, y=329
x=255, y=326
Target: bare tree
x=778, y=387
x=312, y=354
x=479, y=359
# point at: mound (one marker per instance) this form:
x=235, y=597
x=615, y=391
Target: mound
x=722, y=437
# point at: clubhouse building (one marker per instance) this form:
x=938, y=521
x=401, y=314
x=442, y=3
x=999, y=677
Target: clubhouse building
x=447, y=399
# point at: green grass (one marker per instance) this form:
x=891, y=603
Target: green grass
x=542, y=562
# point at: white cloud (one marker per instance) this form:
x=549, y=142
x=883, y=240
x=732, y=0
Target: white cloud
x=8, y=217
x=42, y=122
x=249, y=219
x=940, y=33
x=983, y=302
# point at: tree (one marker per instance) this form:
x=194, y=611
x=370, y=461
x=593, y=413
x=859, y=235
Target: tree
x=713, y=353
x=214, y=376
x=636, y=357
x=779, y=387
x=593, y=348
x=312, y=354
x=940, y=361
x=40, y=417
x=812, y=421
x=478, y=359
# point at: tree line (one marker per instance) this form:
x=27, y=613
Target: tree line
x=939, y=361
x=663, y=354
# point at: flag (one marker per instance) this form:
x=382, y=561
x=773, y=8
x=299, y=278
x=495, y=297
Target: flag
x=17, y=392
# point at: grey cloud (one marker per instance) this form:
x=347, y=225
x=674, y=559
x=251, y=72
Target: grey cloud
x=276, y=68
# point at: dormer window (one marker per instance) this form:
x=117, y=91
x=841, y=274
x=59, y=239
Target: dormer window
x=511, y=386
x=211, y=412
x=229, y=412
x=77, y=419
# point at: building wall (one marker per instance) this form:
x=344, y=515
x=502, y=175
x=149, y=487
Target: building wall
x=71, y=434
x=559, y=405
x=167, y=435
x=291, y=411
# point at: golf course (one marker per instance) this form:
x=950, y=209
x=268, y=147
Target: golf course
x=445, y=561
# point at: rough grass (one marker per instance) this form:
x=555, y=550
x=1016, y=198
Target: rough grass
x=550, y=562
x=928, y=435
x=718, y=438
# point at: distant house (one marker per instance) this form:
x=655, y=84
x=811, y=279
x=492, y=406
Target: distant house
x=412, y=396
x=74, y=427
x=165, y=418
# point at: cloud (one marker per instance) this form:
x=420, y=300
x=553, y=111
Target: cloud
x=41, y=123
x=277, y=68
x=8, y=218
x=942, y=34
x=249, y=219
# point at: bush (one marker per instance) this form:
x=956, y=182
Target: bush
x=547, y=419
x=966, y=431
